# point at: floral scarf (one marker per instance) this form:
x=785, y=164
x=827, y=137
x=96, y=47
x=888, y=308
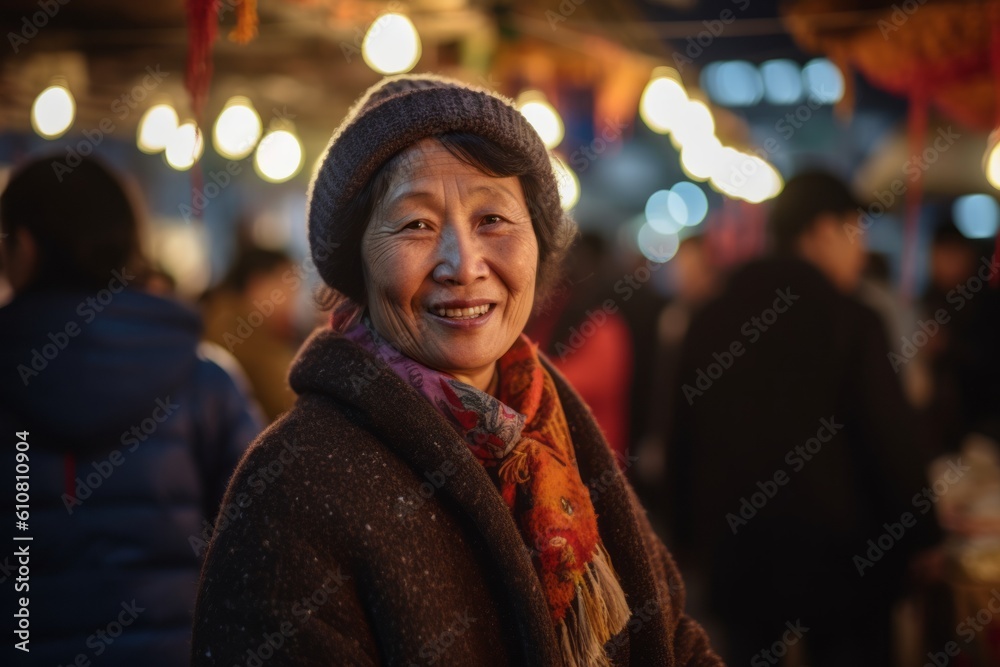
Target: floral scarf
x=522, y=438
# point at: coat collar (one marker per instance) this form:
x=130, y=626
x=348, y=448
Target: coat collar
x=331, y=365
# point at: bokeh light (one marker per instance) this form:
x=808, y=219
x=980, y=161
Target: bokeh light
x=567, y=182
x=823, y=81
x=694, y=124
x=782, y=81
x=543, y=117
x=694, y=200
x=992, y=162
x=700, y=157
x=185, y=146
x=976, y=216
x=747, y=177
x=53, y=112
x=156, y=128
x=735, y=83
x=279, y=156
x=659, y=215
x=657, y=246
x=391, y=45
x=662, y=103
x=237, y=129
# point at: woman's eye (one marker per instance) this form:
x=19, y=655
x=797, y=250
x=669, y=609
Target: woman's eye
x=416, y=224
x=492, y=219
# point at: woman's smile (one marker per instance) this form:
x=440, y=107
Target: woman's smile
x=462, y=316
x=450, y=261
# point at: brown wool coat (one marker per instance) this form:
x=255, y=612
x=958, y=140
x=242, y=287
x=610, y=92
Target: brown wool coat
x=366, y=533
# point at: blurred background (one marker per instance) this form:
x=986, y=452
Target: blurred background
x=673, y=124
x=787, y=85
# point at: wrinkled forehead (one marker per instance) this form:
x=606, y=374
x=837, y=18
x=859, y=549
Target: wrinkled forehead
x=427, y=158
x=428, y=162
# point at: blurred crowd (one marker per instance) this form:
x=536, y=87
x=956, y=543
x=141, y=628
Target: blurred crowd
x=787, y=422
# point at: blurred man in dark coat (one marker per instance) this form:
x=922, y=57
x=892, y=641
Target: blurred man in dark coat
x=795, y=470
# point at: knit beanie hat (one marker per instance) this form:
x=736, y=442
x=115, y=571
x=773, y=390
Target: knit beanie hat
x=391, y=116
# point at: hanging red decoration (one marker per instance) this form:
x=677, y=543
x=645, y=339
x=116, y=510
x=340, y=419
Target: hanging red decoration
x=202, y=16
x=203, y=28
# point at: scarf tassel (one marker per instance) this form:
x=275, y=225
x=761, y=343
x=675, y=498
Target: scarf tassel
x=598, y=613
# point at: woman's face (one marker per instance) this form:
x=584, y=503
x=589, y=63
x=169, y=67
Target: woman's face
x=450, y=258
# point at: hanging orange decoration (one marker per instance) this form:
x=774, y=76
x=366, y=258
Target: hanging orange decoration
x=932, y=52
x=943, y=46
x=246, y=22
x=203, y=26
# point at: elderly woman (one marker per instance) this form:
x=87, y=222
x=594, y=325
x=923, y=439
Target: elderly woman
x=438, y=494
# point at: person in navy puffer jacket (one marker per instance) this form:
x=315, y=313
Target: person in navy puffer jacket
x=132, y=431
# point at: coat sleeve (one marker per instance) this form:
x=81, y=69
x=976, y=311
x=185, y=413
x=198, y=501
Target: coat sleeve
x=267, y=596
x=691, y=645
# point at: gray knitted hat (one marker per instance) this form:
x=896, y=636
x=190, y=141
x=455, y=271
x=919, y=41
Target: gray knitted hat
x=392, y=115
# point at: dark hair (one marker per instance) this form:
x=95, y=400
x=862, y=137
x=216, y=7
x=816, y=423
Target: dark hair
x=554, y=238
x=805, y=198
x=81, y=218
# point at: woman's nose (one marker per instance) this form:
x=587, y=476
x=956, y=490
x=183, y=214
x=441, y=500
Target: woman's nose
x=460, y=257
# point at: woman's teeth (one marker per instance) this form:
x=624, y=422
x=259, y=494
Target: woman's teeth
x=462, y=313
